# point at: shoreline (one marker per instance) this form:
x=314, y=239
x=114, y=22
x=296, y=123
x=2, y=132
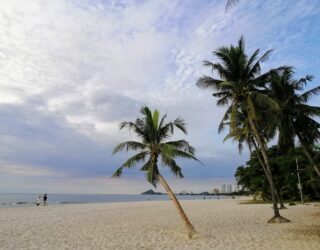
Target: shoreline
x=28, y=205
x=27, y=200
x=222, y=224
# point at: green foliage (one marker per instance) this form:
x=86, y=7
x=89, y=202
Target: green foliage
x=154, y=145
x=251, y=177
x=294, y=117
x=241, y=87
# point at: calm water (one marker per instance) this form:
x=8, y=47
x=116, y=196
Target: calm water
x=8, y=200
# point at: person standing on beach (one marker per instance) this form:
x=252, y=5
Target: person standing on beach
x=38, y=200
x=45, y=199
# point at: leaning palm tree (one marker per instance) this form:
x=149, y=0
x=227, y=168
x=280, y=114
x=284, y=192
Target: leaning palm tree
x=153, y=146
x=243, y=134
x=241, y=89
x=295, y=116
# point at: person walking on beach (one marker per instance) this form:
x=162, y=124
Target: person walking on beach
x=38, y=200
x=45, y=199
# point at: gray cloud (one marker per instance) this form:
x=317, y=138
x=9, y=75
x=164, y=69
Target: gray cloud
x=35, y=138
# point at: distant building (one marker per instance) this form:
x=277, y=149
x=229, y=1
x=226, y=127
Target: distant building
x=215, y=191
x=223, y=188
x=229, y=188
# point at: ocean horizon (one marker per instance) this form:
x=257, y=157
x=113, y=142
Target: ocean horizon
x=29, y=199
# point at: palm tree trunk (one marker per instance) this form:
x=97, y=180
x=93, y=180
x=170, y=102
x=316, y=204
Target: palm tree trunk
x=189, y=226
x=278, y=196
x=309, y=156
x=277, y=217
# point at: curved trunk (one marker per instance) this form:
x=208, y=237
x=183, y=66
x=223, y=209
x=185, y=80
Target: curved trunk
x=309, y=156
x=277, y=217
x=278, y=196
x=189, y=226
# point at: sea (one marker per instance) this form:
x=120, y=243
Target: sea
x=23, y=199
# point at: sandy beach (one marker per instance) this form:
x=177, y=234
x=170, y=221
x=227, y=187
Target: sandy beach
x=222, y=224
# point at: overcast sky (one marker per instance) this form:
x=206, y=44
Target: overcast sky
x=70, y=71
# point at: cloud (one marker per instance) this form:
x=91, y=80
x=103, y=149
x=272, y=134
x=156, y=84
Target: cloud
x=70, y=71
x=27, y=170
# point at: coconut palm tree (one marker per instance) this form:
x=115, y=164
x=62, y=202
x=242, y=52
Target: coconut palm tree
x=154, y=146
x=294, y=116
x=240, y=87
x=243, y=134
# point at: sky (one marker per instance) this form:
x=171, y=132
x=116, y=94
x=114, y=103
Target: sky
x=72, y=70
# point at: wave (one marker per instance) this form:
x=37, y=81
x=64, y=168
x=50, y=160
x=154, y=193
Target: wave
x=15, y=203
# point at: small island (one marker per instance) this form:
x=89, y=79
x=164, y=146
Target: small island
x=151, y=192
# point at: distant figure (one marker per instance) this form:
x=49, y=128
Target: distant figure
x=45, y=199
x=38, y=200
x=204, y=197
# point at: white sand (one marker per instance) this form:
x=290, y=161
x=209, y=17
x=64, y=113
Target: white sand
x=223, y=224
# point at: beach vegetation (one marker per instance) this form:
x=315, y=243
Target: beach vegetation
x=250, y=177
x=295, y=118
x=262, y=107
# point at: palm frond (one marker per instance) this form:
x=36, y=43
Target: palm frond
x=183, y=154
x=251, y=60
x=265, y=102
x=132, y=126
x=146, y=166
x=308, y=109
x=224, y=101
x=181, y=144
x=308, y=94
x=180, y=124
x=306, y=79
x=241, y=42
x=129, y=145
x=166, y=150
x=265, y=56
x=230, y=4
x=175, y=169
x=207, y=82
x=155, y=118
x=222, y=94
x=131, y=162
x=224, y=119
x=117, y=173
x=165, y=131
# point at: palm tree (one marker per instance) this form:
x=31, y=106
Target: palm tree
x=243, y=134
x=154, y=133
x=241, y=87
x=295, y=117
